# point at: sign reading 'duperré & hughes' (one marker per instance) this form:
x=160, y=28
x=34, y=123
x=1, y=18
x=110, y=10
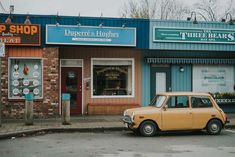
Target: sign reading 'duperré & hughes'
x=194, y=35
x=20, y=34
x=90, y=35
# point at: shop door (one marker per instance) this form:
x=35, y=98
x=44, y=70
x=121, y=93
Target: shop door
x=160, y=80
x=71, y=82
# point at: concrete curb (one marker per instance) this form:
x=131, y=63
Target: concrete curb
x=43, y=131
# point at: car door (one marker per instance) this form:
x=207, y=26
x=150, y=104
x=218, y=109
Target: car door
x=202, y=110
x=177, y=114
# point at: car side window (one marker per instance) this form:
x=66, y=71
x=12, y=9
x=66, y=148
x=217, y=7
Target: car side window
x=178, y=102
x=201, y=102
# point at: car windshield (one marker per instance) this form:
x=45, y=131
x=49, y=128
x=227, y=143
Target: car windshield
x=158, y=100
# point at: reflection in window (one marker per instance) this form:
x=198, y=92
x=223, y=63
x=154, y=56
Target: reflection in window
x=178, y=102
x=201, y=102
x=112, y=78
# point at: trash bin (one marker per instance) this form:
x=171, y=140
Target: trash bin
x=66, y=108
x=29, y=109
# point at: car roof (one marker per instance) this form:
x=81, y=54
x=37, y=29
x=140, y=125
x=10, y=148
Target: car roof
x=184, y=93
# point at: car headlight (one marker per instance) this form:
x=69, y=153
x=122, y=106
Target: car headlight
x=125, y=113
x=132, y=116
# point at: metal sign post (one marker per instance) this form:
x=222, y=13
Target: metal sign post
x=2, y=54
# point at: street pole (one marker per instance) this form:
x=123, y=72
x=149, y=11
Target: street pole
x=2, y=54
x=0, y=91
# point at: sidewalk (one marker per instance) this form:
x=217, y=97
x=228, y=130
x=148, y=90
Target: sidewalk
x=13, y=128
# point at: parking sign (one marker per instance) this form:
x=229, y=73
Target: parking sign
x=2, y=50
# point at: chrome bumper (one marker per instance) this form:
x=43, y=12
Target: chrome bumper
x=127, y=119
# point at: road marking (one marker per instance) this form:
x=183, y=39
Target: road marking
x=232, y=131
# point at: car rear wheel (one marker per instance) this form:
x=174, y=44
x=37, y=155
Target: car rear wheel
x=214, y=127
x=148, y=129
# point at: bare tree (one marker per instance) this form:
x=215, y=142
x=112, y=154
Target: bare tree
x=214, y=10
x=150, y=9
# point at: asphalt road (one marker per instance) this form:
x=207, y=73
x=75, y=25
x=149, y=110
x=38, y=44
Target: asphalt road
x=121, y=144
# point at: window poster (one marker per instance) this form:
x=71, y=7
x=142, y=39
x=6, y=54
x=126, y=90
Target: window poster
x=213, y=78
x=25, y=76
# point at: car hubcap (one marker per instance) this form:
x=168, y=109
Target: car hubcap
x=214, y=127
x=148, y=129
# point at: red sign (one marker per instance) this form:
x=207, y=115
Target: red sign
x=20, y=34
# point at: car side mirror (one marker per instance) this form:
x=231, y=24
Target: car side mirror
x=165, y=108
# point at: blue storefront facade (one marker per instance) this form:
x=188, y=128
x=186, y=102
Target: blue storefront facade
x=96, y=60
x=184, y=56
x=110, y=64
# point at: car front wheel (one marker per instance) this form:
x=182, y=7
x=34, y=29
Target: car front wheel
x=148, y=129
x=214, y=127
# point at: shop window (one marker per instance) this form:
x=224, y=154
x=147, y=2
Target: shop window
x=25, y=76
x=213, y=78
x=113, y=77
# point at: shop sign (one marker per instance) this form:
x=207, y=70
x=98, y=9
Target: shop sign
x=226, y=36
x=89, y=35
x=20, y=34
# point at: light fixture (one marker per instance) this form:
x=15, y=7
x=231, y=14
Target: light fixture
x=195, y=18
x=57, y=19
x=230, y=20
x=124, y=23
x=101, y=21
x=27, y=20
x=9, y=18
x=78, y=21
x=181, y=69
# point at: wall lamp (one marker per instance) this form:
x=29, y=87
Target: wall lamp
x=230, y=20
x=124, y=21
x=101, y=21
x=9, y=18
x=195, y=18
x=78, y=21
x=181, y=69
x=27, y=20
x=57, y=19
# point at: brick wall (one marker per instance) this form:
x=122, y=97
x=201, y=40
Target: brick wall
x=49, y=105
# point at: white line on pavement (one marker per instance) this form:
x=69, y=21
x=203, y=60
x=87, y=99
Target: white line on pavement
x=232, y=131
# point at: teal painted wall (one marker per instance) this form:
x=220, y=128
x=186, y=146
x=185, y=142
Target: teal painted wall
x=145, y=82
x=181, y=81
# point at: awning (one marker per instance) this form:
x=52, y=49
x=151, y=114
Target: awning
x=189, y=61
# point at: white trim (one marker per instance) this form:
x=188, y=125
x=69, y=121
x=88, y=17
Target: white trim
x=118, y=96
x=82, y=81
x=81, y=60
x=74, y=26
x=190, y=28
x=39, y=58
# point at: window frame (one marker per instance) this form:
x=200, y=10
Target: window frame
x=114, y=96
x=42, y=81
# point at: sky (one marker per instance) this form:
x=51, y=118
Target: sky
x=109, y=8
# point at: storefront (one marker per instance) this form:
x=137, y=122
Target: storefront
x=102, y=76
x=96, y=60
x=184, y=56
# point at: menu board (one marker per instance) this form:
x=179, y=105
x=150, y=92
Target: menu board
x=25, y=77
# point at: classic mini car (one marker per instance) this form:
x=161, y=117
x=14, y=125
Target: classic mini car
x=176, y=111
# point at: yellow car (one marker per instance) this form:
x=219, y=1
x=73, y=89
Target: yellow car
x=177, y=111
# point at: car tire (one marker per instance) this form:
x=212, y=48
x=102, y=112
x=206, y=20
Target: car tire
x=148, y=129
x=214, y=127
